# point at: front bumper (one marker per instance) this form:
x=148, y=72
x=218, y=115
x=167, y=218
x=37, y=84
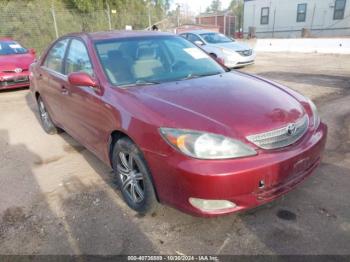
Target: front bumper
x=239, y=61
x=179, y=178
x=14, y=80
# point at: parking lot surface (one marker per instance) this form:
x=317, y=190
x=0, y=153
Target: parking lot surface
x=58, y=198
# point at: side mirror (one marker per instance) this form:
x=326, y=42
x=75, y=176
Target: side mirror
x=82, y=79
x=199, y=43
x=32, y=51
x=220, y=60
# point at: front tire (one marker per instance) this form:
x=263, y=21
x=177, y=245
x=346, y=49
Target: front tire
x=133, y=177
x=45, y=118
x=213, y=55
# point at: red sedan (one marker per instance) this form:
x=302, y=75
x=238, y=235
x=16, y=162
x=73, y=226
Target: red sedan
x=14, y=64
x=176, y=126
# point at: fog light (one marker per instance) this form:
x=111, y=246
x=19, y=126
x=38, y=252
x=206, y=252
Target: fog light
x=211, y=205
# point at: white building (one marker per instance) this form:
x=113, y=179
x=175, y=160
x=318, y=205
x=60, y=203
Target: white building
x=287, y=18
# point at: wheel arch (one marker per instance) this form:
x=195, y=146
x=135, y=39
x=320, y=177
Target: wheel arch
x=113, y=138
x=36, y=94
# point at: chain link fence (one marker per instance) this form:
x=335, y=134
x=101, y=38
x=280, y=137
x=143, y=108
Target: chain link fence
x=37, y=23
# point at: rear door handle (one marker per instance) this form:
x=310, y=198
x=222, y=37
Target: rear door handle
x=64, y=90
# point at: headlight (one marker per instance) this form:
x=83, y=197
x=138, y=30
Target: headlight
x=205, y=145
x=228, y=52
x=315, y=116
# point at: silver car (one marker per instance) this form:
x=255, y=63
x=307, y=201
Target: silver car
x=234, y=54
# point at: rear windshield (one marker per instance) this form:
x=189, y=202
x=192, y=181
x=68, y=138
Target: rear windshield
x=11, y=48
x=153, y=59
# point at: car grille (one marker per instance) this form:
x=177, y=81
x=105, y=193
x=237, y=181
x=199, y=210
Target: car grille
x=13, y=71
x=15, y=81
x=246, y=62
x=281, y=137
x=245, y=52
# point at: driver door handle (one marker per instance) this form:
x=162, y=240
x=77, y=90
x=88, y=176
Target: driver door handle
x=64, y=90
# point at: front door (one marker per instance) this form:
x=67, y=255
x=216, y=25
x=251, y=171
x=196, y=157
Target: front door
x=87, y=113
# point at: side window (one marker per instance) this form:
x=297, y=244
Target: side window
x=54, y=59
x=184, y=36
x=339, y=9
x=265, y=11
x=193, y=38
x=301, y=12
x=77, y=58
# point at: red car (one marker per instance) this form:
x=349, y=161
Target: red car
x=14, y=64
x=176, y=126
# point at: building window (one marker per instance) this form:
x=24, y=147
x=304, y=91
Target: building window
x=301, y=12
x=264, y=15
x=339, y=9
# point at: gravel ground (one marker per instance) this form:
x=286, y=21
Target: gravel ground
x=58, y=198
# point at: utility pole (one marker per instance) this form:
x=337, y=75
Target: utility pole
x=178, y=15
x=313, y=16
x=225, y=33
x=54, y=18
x=200, y=13
x=149, y=17
x=109, y=16
x=274, y=22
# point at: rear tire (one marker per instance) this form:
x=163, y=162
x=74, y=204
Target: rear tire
x=133, y=177
x=45, y=118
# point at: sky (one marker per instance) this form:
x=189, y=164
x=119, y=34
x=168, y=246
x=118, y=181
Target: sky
x=197, y=5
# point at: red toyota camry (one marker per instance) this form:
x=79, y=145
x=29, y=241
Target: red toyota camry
x=14, y=64
x=175, y=126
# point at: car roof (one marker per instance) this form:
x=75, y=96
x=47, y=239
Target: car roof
x=119, y=34
x=199, y=31
x=5, y=39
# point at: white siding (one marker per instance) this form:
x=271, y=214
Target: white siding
x=283, y=18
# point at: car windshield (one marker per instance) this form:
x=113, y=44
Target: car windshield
x=11, y=48
x=215, y=38
x=153, y=60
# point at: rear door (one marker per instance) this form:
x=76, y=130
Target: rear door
x=51, y=81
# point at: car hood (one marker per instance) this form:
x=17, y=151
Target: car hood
x=11, y=62
x=235, y=46
x=232, y=104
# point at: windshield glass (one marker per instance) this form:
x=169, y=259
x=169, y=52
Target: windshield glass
x=152, y=60
x=215, y=38
x=11, y=48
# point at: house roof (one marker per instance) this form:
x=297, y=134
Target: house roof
x=219, y=13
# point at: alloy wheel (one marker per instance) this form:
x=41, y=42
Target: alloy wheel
x=43, y=113
x=132, y=180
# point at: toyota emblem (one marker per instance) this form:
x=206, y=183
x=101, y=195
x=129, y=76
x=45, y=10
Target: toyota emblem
x=18, y=70
x=291, y=129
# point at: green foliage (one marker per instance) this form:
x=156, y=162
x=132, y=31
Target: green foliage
x=31, y=21
x=237, y=8
x=215, y=6
x=85, y=5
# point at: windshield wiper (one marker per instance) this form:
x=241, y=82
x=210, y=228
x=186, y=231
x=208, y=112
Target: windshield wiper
x=141, y=83
x=192, y=76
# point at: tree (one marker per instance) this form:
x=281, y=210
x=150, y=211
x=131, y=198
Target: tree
x=215, y=6
x=31, y=21
x=237, y=7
